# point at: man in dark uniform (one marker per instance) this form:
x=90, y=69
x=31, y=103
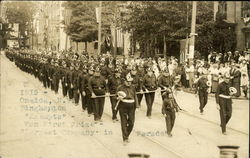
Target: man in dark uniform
x=224, y=102
x=202, y=89
x=149, y=84
x=89, y=102
x=56, y=76
x=165, y=81
x=44, y=73
x=76, y=83
x=70, y=82
x=169, y=107
x=64, y=79
x=127, y=107
x=82, y=74
x=137, y=76
x=140, y=73
x=50, y=71
x=97, y=86
x=113, y=82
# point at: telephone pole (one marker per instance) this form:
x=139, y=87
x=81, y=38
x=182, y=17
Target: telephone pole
x=192, y=34
x=99, y=28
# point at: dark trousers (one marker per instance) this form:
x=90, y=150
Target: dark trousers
x=51, y=85
x=225, y=112
x=84, y=102
x=76, y=96
x=71, y=93
x=89, y=102
x=170, y=119
x=127, y=115
x=48, y=83
x=237, y=86
x=202, y=98
x=56, y=85
x=139, y=97
x=98, y=107
x=113, y=101
x=245, y=89
x=64, y=89
x=149, y=101
x=44, y=82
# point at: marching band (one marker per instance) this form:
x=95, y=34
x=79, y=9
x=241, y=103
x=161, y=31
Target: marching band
x=90, y=80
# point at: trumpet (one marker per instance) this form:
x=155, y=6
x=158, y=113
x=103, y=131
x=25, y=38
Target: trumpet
x=209, y=84
x=232, y=90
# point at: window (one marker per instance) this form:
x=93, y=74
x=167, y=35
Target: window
x=245, y=9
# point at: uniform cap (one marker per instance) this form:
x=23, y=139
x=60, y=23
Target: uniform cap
x=128, y=77
x=117, y=70
x=149, y=69
x=227, y=75
x=91, y=68
x=97, y=69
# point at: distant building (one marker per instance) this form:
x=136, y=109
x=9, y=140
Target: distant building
x=47, y=25
x=237, y=12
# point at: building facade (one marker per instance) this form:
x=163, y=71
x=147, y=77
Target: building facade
x=237, y=12
x=48, y=27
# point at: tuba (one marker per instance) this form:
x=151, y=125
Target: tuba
x=232, y=90
x=209, y=84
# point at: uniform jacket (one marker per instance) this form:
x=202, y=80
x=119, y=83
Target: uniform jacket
x=201, y=85
x=149, y=82
x=223, y=88
x=169, y=105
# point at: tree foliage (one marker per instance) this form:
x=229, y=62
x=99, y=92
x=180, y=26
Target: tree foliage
x=21, y=12
x=83, y=25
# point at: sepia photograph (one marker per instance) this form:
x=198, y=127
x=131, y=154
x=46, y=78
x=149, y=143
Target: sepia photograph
x=124, y=79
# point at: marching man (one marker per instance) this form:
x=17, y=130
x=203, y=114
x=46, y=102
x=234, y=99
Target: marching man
x=202, y=86
x=224, y=101
x=169, y=107
x=126, y=106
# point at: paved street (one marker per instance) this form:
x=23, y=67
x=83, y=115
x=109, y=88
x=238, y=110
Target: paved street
x=35, y=122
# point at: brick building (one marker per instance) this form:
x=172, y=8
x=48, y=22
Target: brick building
x=237, y=12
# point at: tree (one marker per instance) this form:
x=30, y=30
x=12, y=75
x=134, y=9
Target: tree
x=21, y=12
x=151, y=22
x=205, y=28
x=83, y=26
x=213, y=35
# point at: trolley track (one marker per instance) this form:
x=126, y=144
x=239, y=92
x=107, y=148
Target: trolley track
x=206, y=120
